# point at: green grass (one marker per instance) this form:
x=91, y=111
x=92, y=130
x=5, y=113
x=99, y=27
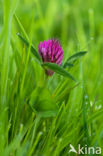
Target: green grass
x=41, y=116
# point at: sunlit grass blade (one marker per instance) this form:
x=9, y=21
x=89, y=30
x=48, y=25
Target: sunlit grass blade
x=65, y=93
x=96, y=115
x=21, y=27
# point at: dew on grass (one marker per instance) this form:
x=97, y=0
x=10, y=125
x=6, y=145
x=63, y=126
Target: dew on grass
x=92, y=38
x=86, y=103
x=86, y=96
x=81, y=86
x=60, y=140
x=40, y=133
x=91, y=103
x=98, y=107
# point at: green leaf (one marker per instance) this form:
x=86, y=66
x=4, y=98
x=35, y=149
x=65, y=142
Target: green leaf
x=58, y=69
x=68, y=65
x=74, y=57
x=42, y=103
x=33, y=50
x=44, y=114
x=42, y=100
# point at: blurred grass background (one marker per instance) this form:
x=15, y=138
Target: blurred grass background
x=79, y=119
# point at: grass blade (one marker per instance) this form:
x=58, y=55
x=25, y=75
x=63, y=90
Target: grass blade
x=21, y=27
x=33, y=50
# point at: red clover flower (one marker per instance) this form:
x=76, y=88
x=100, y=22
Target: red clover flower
x=51, y=51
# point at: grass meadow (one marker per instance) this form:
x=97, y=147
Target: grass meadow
x=41, y=115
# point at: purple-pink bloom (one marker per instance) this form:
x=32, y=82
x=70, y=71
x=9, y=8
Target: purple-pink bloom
x=51, y=51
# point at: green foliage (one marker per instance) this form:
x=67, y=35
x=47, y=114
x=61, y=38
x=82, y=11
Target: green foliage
x=58, y=69
x=36, y=54
x=42, y=115
x=73, y=58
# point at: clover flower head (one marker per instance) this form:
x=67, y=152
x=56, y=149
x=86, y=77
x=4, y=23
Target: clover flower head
x=51, y=51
